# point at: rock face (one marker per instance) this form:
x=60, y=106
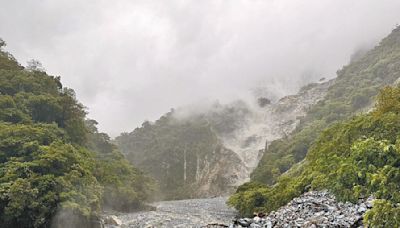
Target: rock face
x=184, y=155
x=312, y=209
x=203, y=153
x=221, y=176
x=112, y=220
x=273, y=121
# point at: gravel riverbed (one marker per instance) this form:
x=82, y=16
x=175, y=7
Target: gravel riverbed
x=312, y=209
x=180, y=213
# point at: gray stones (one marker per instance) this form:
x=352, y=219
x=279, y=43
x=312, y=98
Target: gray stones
x=312, y=209
x=316, y=209
x=192, y=213
x=112, y=220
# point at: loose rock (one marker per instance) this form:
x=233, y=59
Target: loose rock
x=314, y=209
x=112, y=220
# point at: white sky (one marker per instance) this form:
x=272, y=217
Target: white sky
x=130, y=61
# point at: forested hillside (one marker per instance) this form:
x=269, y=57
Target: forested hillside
x=55, y=167
x=210, y=151
x=184, y=154
x=354, y=90
x=351, y=156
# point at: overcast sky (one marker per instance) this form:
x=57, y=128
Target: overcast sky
x=131, y=61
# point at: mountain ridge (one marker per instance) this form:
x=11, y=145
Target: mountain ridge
x=237, y=132
x=342, y=144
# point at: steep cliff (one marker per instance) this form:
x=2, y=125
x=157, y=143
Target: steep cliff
x=353, y=92
x=341, y=144
x=212, y=151
x=265, y=123
x=185, y=155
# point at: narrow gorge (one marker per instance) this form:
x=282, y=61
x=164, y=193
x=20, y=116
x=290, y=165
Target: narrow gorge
x=238, y=132
x=200, y=114
x=210, y=153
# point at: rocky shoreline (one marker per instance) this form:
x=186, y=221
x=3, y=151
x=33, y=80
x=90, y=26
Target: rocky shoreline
x=312, y=209
x=177, y=213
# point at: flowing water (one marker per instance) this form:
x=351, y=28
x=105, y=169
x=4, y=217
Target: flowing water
x=265, y=124
x=181, y=213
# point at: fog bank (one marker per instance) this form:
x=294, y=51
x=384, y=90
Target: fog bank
x=134, y=60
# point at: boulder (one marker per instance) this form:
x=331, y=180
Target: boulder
x=312, y=209
x=112, y=220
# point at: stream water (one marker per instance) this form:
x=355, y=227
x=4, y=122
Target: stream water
x=181, y=213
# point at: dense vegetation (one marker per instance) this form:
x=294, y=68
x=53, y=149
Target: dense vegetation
x=125, y=188
x=169, y=151
x=53, y=163
x=183, y=151
x=353, y=157
x=354, y=90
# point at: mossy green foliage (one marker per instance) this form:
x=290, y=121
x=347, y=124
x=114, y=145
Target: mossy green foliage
x=353, y=159
x=353, y=91
x=182, y=146
x=162, y=148
x=7, y=61
x=40, y=173
x=125, y=187
x=48, y=164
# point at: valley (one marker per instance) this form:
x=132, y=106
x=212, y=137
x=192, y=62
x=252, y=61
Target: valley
x=181, y=213
x=200, y=114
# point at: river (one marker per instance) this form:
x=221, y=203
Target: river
x=181, y=213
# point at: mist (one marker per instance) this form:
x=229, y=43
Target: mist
x=131, y=61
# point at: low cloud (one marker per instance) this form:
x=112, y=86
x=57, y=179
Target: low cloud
x=134, y=60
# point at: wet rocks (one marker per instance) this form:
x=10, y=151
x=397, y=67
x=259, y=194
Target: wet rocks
x=192, y=213
x=269, y=121
x=112, y=220
x=313, y=209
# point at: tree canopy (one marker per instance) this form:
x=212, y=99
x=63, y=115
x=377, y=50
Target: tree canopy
x=353, y=159
x=51, y=160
